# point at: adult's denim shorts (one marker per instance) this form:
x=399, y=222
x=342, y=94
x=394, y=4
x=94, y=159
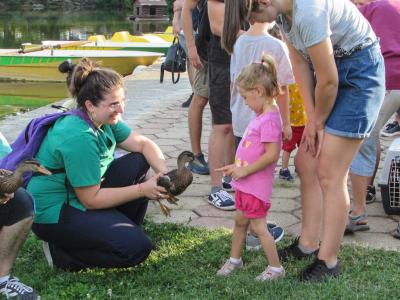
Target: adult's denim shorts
x=360, y=93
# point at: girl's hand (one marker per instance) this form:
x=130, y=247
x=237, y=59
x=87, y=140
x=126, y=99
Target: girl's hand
x=226, y=170
x=234, y=171
x=6, y=198
x=287, y=132
x=309, y=138
x=239, y=172
x=151, y=190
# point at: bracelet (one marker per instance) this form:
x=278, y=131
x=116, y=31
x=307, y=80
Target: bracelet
x=140, y=189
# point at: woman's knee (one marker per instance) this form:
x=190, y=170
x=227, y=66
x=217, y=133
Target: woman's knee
x=305, y=164
x=135, y=246
x=24, y=205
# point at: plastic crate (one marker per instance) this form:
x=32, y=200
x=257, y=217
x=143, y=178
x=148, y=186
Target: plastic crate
x=389, y=181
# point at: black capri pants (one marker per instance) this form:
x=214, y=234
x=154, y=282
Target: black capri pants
x=106, y=238
x=18, y=208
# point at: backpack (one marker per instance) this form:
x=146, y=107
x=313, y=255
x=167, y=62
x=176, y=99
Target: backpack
x=29, y=140
x=175, y=61
x=203, y=34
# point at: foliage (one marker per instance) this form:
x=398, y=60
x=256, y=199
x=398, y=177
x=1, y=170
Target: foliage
x=119, y=4
x=184, y=267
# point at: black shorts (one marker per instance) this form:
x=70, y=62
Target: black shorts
x=219, y=93
x=17, y=209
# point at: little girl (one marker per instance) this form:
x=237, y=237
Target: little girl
x=255, y=161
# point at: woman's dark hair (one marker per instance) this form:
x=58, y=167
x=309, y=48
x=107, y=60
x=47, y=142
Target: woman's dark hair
x=67, y=67
x=89, y=82
x=235, y=17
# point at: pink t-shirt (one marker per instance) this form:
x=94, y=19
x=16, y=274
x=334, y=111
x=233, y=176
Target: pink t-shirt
x=384, y=17
x=265, y=128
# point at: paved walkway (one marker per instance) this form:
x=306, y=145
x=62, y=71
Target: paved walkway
x=155, y=110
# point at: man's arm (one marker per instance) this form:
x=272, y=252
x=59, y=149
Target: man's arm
x=187, y=24
x=176, y=21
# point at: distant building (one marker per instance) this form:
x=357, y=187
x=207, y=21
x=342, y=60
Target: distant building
x=149, y=10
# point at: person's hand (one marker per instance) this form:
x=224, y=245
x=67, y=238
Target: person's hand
x=234, y=171
x=176, y=28
x=309, y=138
x=194, y=57
x=287, y=132
x=6, y=198
x=320, y=137
x=151, y=190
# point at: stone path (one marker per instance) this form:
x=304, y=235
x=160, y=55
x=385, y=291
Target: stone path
x=155, y=110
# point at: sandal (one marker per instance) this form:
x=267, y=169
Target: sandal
x=357, y=223
x=396, y=232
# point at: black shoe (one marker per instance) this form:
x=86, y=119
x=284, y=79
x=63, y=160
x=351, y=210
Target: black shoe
x=371, y=194
x=318, y=271
x=293, y=250
x=188, y=101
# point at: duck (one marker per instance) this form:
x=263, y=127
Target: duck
x=176, y=181
x=10, y=181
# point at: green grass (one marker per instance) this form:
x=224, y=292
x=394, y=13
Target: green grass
x=184, y=268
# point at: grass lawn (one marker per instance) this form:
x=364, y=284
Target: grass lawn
x=184, y=268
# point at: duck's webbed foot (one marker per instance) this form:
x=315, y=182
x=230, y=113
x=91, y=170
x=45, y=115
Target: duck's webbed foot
x=172, y=199
x=164, y=209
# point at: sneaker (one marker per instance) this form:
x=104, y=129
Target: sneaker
x=356, y=223
x=396, y=232
x=269, y=274
x=226, y=183
x=199, y=165
x=284, y=174
x=229, y=267
x=47, y=254
x=222, y=200
x=318, y=271
x=293, y=250
x=188, y=101
x=15, y=289
x=391, y=129
x=371, y=194
x=253, y=242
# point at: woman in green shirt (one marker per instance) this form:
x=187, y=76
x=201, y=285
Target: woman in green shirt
x=90, y=215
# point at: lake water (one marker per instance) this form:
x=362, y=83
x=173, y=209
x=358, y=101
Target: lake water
x=23, y=27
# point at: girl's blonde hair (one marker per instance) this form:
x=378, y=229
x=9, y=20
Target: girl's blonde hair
x=262, y=73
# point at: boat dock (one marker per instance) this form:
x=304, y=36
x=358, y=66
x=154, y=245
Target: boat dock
x=155, y=110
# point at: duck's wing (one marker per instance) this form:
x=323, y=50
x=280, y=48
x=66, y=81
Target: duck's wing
x=180, y=181
x=4, y=172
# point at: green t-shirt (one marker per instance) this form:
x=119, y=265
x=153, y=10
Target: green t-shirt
x=84, y=153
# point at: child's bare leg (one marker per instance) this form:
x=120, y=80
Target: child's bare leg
x=239, y=234
x=267, y=241
x=285, y=159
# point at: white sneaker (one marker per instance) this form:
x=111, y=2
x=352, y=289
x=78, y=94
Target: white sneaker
x=268, y=274
x=47, y=254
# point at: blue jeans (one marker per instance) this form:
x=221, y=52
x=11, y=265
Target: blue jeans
x=360, y=94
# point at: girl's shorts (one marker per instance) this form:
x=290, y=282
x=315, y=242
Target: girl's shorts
x=252, y=207
x=360, y=93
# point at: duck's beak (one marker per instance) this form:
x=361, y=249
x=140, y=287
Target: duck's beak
x=43, y=170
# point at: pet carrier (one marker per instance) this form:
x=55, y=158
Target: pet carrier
x=389, y=181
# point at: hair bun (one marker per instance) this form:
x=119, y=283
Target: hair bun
x=66, y=66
